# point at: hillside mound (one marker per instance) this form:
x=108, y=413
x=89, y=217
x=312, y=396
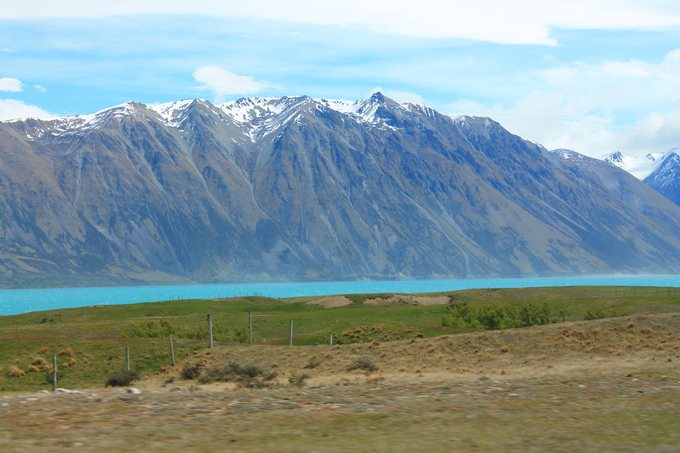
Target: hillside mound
x=572, y=349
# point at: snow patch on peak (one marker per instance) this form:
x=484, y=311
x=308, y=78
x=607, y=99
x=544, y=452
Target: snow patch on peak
x=638, y=166
x=567, y=154
x=363, y=110
x=347, y=107
x=472, y=123
x=371, y=110
x=263, y=116
x=615, y=157
x=128, y=109
x=418, y=108
x=171, y=112
x=664, y=178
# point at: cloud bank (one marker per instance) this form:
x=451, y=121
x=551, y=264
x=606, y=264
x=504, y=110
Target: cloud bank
x=224, y=83
x=11, y=85
x=516, y=22
x=11, y=109
x=595, y=109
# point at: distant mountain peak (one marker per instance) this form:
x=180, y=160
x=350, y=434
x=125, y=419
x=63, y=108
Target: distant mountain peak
x=638, y=166
x=566, y=154
x=377, y=97
x=615, y=157
x=665, y=179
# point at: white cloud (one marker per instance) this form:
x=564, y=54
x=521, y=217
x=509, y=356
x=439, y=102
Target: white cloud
x=224, y=83
x=517, y=21
x=12, y=85
x=594, y=108
x=11, y=109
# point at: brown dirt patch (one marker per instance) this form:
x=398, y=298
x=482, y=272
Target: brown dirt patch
x=435, y=300
x=406, y=299
x=331, y=302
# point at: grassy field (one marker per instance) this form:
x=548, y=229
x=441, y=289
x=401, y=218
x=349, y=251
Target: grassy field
x=400, y=382
x=90, y=342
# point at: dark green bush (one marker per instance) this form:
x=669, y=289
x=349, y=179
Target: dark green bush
x=191, y=371
x=495, y=316
x=363, y=363
x=122, y=378
x=248, y=376
x=298, y=380
x=596, y=313
x=163, y=328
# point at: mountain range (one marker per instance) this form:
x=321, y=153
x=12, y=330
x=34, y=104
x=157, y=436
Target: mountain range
x=295, y=188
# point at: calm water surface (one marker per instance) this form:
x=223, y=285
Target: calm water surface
x=23, y=301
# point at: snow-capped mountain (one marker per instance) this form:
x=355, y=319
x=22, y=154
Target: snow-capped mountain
x=296, y=188
x=638, y=166
x=665, y=179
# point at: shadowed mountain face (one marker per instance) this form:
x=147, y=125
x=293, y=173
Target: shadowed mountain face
x=300, y=189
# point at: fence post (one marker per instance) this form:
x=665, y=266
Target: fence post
x=290, y=335
x=172, y=351
x=127, y=359
x=210, y=335
x=330, y=339
x=250, y=327
x=54, y=372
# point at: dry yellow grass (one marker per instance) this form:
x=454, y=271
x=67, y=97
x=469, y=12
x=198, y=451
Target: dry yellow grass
x=39, y=361
x=574, y=386
x=16, y=372
x=566, y=349
x=67, y=352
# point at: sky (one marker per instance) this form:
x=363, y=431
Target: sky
x=594, y=76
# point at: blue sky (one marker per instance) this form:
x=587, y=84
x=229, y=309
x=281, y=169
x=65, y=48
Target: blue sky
x=595, y=76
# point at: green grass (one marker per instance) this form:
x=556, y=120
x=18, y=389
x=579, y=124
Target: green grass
x=97, y=335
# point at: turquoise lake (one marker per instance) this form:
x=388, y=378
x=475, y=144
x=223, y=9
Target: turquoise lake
x=23, y=301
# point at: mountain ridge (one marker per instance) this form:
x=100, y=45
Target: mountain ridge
x=300, y=189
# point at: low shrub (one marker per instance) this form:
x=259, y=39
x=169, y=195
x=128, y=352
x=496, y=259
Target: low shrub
x=313, y=362
x=298, y=380
x=596, y=313
x=122, y=378
x=364, y=364
x=163, y=328
x=496, y=316
x=248, y=376
x=191, y=371
x=49, y=377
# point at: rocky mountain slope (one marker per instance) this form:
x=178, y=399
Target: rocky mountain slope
x=665, y=179
x=297, y=188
